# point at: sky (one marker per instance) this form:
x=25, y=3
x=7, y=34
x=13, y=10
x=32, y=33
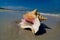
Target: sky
x=42, y=5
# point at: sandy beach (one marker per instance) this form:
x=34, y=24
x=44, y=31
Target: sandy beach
x=49, y=30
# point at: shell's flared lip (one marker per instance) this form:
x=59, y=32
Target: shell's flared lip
x=34, y=27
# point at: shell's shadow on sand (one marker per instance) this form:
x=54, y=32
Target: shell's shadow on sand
x=42, y=29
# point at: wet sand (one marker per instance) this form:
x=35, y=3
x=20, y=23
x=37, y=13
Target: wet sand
x=49, y=30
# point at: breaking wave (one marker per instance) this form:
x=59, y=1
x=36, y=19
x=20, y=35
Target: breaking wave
x=49, y=14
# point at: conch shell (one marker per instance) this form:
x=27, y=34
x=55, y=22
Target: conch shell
x=33, y=15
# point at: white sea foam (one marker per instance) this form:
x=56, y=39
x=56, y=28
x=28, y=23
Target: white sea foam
x=50, y=14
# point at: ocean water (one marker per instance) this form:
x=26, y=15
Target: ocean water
x=44, y=6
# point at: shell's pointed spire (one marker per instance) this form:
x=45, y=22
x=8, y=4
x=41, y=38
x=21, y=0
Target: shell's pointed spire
x=34, y=11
